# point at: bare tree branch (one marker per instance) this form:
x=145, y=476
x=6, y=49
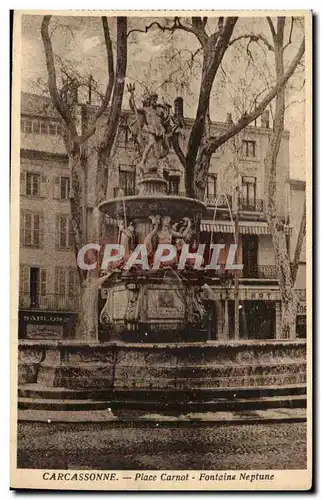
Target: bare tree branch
x=111, y=128
x=110, y=85
x=176, y=25
x=177, y=149
x=271, y=26
x=200, y=32
x=58, y=102
x=253, y=38
x=245, y=120
x=290, y=34
x=197, y=28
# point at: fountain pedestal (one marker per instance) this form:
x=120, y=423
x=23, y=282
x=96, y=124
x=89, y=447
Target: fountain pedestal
x=163, y=305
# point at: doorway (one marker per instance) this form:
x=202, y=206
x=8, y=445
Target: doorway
x=259, y=319
x=250, y=252
x=34, y=286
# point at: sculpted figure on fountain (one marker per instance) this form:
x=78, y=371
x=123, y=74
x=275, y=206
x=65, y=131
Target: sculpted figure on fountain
x=152, y=128
x=126, y=238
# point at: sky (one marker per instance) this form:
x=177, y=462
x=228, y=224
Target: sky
x=160, y=61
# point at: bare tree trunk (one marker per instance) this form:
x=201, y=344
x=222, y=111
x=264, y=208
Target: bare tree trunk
x=89, y=289
x=289, y=300
x=299, y=244
x=88, y=315
x=89, y=280
x=213, y=53
x=76, y=198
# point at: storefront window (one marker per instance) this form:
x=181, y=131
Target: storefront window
x=301, y=326
x=257, y=319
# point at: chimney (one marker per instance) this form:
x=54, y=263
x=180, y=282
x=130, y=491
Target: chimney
x=178, y=107
x=229, y=118
x=265, y=119
x=90, y=80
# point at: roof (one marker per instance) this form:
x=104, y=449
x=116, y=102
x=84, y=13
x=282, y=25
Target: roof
x=37, y=105
x=40, y=105
x=297, y=184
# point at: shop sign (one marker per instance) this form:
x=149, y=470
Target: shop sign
x=44, y=318
x=301, y=308
x=244, y=294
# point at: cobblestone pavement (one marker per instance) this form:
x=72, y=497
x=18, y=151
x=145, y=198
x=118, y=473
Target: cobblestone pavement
x=93, y=446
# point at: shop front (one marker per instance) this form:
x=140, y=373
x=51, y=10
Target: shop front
x=301, y=319
x=46, y=325
x=259, y=314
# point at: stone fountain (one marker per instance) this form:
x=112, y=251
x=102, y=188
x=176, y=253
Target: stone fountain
x=156, y=354
x=163, y=305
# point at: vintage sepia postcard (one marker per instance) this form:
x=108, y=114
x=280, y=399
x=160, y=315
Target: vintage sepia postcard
x=161, y=296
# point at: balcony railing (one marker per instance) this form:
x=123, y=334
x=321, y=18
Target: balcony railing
x=247, y=205
x=49, y=302
x=221, y=201
x=128, y=191
x=260, y=272
x=212, y=200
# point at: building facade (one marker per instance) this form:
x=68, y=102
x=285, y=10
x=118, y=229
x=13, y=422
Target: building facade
x=49, y=290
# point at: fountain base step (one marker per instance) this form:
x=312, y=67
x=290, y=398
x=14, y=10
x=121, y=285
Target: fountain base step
x=184, y=382
x=134, y=418
x=118, y=402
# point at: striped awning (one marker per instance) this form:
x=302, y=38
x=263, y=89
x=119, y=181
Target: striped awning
x=244, y=227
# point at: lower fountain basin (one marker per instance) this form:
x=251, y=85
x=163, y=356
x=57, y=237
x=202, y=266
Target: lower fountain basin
x=144, y=206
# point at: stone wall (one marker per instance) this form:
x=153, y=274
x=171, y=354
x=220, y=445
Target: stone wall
x=116, y=366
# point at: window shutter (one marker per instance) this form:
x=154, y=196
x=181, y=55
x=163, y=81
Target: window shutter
x=56, y=280
x=35, y=238
x=57, y=231
x=70, y=233
x=71, y=282
x=42, y=287
x=57, y=188
x=22, y=230
x=24, y=280
x=60, y=280
x=43, y=186
x=41, y=230
x=27, y=237
x=22, y=183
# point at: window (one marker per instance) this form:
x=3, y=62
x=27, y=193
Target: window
x=27, y=126
x=36, y=127
x=66, y=281
x=52, y=128
x=33, y=184
x=59, y=129
x=61, y=188
x=43, y=127
x=211, y=186
x=173, y=186
x=32, y=286
x=32, y=229
x=64, y=187
x=248, y=199
x=64, y=232
x=127, y=181
x=250, y=255
x=249, y=149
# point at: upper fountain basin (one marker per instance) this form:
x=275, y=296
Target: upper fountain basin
x=142, y=206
